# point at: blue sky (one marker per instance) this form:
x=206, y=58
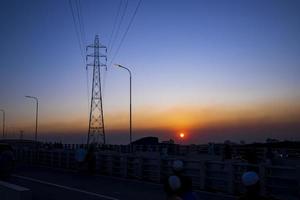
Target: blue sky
x=182, y=53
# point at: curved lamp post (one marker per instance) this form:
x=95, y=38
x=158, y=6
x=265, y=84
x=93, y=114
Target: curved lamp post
x=36, y=114
x=130, y=120
x=3, y=123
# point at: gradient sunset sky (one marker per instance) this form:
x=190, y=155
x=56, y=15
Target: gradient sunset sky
x=215, y=70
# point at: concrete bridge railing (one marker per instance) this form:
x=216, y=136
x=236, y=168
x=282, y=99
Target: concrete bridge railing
x=215, y=176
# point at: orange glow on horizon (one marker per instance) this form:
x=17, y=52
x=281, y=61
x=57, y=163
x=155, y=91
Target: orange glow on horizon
x=175, y=120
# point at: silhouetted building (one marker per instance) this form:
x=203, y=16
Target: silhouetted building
x=146, y=141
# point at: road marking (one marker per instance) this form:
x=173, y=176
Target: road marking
x=65, y=187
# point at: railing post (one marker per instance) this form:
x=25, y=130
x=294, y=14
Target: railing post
x=66, y=160
x=31, y=157
x=202, y=174
x=159, y=169
x=298, y=179
x=123, y=166
x=262, y=175
x=52, y=158
x=60, y=159
x=230, y=177
x=137, y=166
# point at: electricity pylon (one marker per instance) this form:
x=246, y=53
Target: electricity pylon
x=96, y=133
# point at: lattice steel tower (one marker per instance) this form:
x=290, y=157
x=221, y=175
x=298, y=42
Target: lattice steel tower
x=96, y=133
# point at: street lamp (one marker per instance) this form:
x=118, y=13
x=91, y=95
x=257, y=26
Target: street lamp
x=130, y=138
x=3, y=123
x=36, y=114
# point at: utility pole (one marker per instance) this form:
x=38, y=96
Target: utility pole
x=36, y=115
x=3, y=123
x=130, y=105
x=96, y=132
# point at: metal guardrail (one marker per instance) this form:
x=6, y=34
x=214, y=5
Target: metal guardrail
x=215, y=176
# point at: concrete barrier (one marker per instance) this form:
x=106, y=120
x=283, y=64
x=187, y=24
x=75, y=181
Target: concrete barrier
x=282, y=182
x=10, y=191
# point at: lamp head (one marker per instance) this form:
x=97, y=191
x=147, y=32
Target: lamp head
x=117, y=65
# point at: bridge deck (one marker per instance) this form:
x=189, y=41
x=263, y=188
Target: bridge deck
x=51, y=184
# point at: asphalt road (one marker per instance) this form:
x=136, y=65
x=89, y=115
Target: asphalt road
x=51, y=184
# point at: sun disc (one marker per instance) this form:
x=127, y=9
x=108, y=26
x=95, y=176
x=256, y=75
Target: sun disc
x=181, y=135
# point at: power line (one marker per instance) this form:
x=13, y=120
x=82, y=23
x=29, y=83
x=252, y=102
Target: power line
x=119, y=25
x=81, y=39
x=115, y=32
x=115, y=23
x=77, y=32
x=127, y=29
x=110, y=40
x=87, y=87
x=81, y=22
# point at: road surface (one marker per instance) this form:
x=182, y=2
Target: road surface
x=51, y=184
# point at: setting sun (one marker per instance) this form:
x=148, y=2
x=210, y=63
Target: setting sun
x=181, y=135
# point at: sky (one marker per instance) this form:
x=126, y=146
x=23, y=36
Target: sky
x=215, y=70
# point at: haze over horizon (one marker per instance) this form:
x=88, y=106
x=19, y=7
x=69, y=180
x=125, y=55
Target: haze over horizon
x=215, y=70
